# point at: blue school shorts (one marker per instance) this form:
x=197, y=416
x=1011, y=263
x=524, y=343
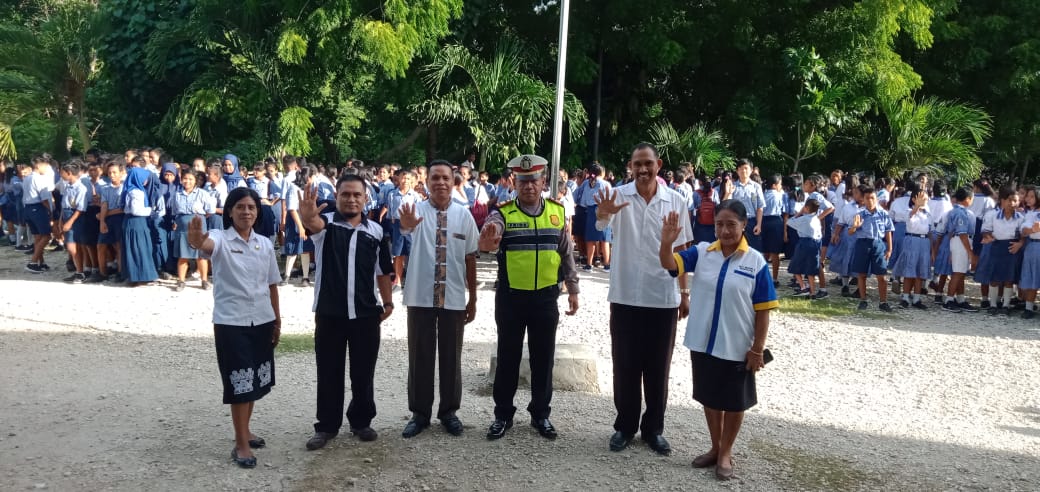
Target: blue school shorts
x=115, y=230
x=37, y=218
x=75, y=234
x=400, y=245
x=869, y=257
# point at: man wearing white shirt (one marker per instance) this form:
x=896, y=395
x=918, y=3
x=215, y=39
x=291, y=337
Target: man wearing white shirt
x=444, y=247
x=644, y=303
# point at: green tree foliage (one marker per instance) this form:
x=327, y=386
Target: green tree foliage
x=292, y=71
x=46, y=67
x=506, y=110
x=704, y=147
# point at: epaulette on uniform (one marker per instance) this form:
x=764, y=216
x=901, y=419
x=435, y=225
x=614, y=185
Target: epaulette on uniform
x=500, y=205
x=555, y=201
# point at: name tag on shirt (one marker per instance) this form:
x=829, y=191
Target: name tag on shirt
x=459, y=236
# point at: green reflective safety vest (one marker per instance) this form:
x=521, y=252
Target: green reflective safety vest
x=530, y=245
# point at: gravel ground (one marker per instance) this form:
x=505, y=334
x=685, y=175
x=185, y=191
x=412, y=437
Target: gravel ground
x=112, y=388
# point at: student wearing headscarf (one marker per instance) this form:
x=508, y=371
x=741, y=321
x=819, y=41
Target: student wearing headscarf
x=232, y=177
x=139, y=265
x=166, y=187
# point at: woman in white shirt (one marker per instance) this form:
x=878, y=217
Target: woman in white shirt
x=137, y=237
x=246, y=314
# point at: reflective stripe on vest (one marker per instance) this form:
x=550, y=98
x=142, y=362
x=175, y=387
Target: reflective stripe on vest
x=530, y=245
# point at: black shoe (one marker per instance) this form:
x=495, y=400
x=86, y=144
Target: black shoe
x=919, y=305
x=835, y=281
x=94, y=278
x=498, y=429
x=903, y=303
x=967, y=307
x=206, y=285
x=70, y=266
x=366, y=434
x=821, y=294
x=453, y=425
x=984, y=305
x=951, y=306
x=29, y=251
x=319, y=440
x=1028, y=314
x=993, y=310
x=885, y=307
x=414, y=427
x=619, y=441
x=179, y=287
x=845, y=292
x=800, y=293
x=545, y=428
x=59, y=248
x=862, y=305
x=33, y=268
x=659, y=444
x=257, y=443
x=939, y=298
x=243, y=462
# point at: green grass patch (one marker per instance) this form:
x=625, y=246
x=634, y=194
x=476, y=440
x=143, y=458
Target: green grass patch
x=295, y=342
x=830, y=307
x=812, y=471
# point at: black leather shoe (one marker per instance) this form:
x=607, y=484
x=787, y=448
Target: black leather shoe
x=249, y=462
x=619, y=441
x=453, y=425
x=257, y=443
x=498, y=429
x=544, y=427
x=366, y=434
x=414, y=427
x=659, y=444
x=319, y=440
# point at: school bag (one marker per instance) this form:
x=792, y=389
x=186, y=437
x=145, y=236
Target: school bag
x=706, y=210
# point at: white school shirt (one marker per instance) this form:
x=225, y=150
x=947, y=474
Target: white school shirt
x=920, y=223
x=1032, y=217
x=1002, y=228
x=243, y=272
x=727, y=292
x=939, y=207
x=807, y=226
x=36, y=189
x=900, y=209
x=982, y=204
x=462, y=242
x=638, y=279
x=135, y=204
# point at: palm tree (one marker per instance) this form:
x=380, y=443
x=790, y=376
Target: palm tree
x=48, y=69
x=940, y=137
x=505, y=110
x=706, y=148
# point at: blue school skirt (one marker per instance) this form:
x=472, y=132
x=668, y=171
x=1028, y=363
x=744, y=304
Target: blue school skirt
x=215, y=221
x=160, y=230
x=868, y=257
x=999, y=266
x=591, y=233
x=976, y=240
x=115, y=230
x=839, y=255
x=137, y=250
x=267, y=223
x=10, y=211
x=293, y=244
x=578, y=222
x=942, y=264
x=792, y=243
x=806, y=260
x=704, y=233
x=897, y=243
x=749, y=233
x=982, y=275
x=75, y=234
x=91, y=225
x=828, y=228
x=181, y=249
x=915, y=259
x=772, y=234
x=1030, y=266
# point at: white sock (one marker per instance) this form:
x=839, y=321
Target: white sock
x=305, y=264
x=845, y=281
x=290, y=261
x=906, y=297
x=1008, y=294
x=960, y=298
x=994, y=294
x=949, y=298
x=1029, y=306
x=916, y=298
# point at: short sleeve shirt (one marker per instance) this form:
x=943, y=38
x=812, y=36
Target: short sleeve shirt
x=243, y=271
x=460, y=240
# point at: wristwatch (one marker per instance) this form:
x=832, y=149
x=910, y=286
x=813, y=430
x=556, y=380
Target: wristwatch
x=684, y=291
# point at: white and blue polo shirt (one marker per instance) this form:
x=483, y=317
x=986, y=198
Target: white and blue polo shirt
x=737, y=287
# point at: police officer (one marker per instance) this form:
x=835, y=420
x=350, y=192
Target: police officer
x=534, y=255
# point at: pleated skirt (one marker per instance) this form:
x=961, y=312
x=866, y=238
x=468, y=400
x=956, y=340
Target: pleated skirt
x=137, y=250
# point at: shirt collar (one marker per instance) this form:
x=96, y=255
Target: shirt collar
x=231, y=234
x=630, y=189
x=742, y=247
x=338, y=217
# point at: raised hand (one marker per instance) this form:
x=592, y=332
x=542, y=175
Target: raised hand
x=489, y=238
x=606, y=203
x=196, y=234
x=670, y=228
x=857, y=221
x=409, y=220
x=309, y=208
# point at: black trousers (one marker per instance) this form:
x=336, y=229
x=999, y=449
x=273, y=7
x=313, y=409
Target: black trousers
x=641, y=343
x=434, y=333
x=536, y=313
x=333, y=336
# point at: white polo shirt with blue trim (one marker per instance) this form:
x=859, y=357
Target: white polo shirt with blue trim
x=728, y=293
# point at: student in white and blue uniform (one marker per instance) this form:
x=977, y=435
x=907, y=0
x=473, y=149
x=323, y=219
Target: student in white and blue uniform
x=750, y=194
x=266, y=222
x=292, y=244
x=190, y=201
x=842, y=244
x=914, y=263
x=137, y=238
x=872, y=228
x=593, y=186
x=814, y=188
x=772, y=236
x=73, y=207
x=112, y=211
x=955, y=251
x=38, y=201
x=1002, y=230
x=794, y=200
x=980, y=205
x=806, y=260
x=1030, y=277
x=899, y=208
x=216, y=187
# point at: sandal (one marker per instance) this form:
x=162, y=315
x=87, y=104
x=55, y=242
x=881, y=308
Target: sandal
x=249, y=462
x=705, y=460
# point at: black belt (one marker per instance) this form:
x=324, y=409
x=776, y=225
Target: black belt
x=925, y=236
x=1034, y=240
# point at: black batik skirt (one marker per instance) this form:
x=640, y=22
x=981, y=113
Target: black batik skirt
x=245, y=356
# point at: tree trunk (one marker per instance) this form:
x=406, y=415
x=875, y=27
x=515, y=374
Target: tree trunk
x=60, y=147
x=1025, y=169
x=402, y=145
x=597, y=120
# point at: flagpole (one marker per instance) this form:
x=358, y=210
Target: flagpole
x=561, y=73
